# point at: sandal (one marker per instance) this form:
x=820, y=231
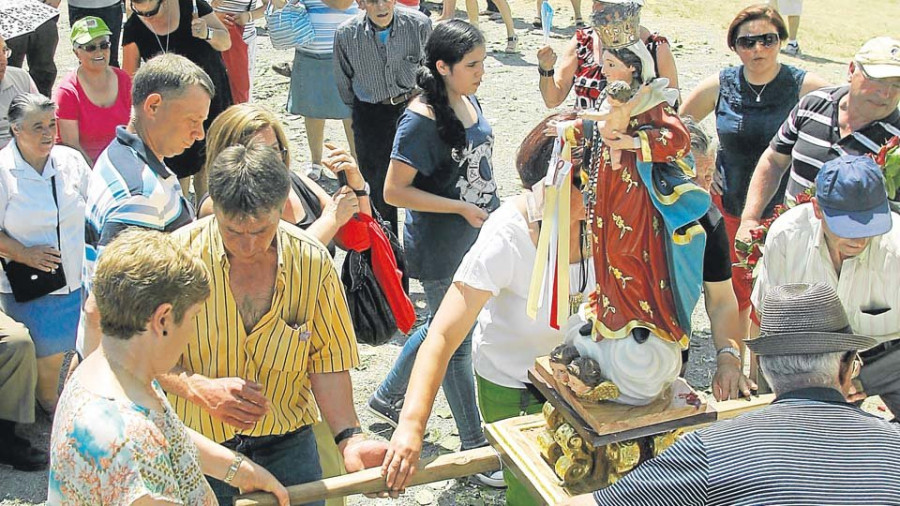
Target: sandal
x=579, y=23
x=536, y=22
x=512, y=43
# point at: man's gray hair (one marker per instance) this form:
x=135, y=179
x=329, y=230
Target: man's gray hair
x=248, y=181
x=24, y=104
x=170, y=75
x=791, y=372
x=700, y=141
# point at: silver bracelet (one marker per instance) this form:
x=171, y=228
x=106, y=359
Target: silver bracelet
x=731, y=350
x=235, y=465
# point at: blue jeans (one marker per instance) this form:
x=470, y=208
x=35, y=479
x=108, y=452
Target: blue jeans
x=293, y=458
x=459, y=381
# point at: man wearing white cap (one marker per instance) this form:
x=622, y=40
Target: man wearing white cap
x=810, y=446
x=854, y=119
x=847, y=238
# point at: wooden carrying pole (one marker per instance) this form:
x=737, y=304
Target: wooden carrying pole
x=369, y=481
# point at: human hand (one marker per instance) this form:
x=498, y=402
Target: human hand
x=339, y=160
x=42, y=258
x=620, y=141
x=235, y=401
x=475, y=215
x=402, y=457
x=743, y=232
x=360, y=452
x=729, y=382
x=199, y=28
x=227, y=18
x=252, y=477
x=546, y=58
x=344, y=204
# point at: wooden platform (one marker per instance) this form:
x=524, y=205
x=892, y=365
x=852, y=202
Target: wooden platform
x=609, y=422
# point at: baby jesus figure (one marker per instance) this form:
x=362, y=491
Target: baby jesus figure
x=615, y=113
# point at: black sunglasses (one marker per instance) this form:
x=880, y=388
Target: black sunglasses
x=750, y=41
x=103, y=46
x=150, y=13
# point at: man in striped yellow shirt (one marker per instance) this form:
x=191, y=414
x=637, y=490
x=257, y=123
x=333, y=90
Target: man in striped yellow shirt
x=275, y=337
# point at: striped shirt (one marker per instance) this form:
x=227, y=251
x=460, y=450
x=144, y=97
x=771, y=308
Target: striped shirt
x=307, y=330
x=325, y=21
x=129, y=187
x=811, y=136
x=373, y=71
x=808, y=447
x=796, y=252
x=237, y=7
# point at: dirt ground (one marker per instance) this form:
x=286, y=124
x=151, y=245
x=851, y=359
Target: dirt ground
x=512, y=104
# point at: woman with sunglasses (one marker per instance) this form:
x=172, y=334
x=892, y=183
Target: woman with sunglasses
x=94, y=98
x=750, y=102
x=188, y=28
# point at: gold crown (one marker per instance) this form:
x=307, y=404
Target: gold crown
x=618, y=24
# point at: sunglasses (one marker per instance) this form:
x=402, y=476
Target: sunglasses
x=750, y=41
x=103, y=46
x=148, y=14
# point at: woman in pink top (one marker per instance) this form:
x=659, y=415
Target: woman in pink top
x=94, y=98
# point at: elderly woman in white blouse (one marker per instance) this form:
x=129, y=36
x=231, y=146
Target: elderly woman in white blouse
x=42, y=196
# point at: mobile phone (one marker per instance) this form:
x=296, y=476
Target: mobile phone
x=342, y=178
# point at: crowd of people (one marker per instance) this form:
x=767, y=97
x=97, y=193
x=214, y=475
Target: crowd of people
x=212, y=332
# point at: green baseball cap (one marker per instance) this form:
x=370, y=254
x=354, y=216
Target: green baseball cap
x=87, y=29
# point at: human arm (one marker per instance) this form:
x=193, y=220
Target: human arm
x=339, y=208
x=763, y=185
x=399, y=192
x=452, y=322
x=131, y=59
x=216, y=460
x=343, y=70
x=68, y=135
x=555, y=89
x=729, y=381
x=665, y=64
x=241, y=18
x=235, y=401
x=666, y=139
x=812, y=82
x=702, y=100
x=42, y=257
x=220, y=40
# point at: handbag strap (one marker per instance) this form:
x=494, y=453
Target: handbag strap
x=56, y=201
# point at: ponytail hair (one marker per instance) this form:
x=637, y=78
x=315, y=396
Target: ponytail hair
x=449, y=42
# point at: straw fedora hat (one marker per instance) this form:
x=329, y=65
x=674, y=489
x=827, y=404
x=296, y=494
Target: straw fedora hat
x=803, y=318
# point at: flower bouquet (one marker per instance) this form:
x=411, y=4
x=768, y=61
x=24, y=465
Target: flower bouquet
x=749, y=253
x=888, y=158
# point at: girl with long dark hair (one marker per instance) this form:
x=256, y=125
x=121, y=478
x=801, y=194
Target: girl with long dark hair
x=441, y=172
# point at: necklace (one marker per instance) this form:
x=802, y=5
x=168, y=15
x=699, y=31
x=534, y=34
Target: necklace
x=577, y=299
x=168, y=27
x=758, y=94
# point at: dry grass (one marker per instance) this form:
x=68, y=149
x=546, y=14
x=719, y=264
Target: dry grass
x=828, y=28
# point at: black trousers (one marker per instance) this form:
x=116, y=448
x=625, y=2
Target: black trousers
x=112, y=16
x=39, y=47
x=374, y=126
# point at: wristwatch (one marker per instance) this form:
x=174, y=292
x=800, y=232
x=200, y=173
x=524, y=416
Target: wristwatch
x=364, y=192
x=209, y=33
x=347, y=434
x=731, y=350
x=546, y=73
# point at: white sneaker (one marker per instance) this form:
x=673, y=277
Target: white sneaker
x=792, y=49
x=492, y=479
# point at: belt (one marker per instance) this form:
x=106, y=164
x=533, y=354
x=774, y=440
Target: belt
x=399, y=99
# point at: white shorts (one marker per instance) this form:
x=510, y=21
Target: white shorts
x=787, y=7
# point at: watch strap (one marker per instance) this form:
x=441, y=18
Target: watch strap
x=347, y=434
x=731, y=350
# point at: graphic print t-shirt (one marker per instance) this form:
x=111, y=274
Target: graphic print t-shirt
x=436, y=243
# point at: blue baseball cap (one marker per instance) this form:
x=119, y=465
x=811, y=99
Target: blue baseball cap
x=850, y=191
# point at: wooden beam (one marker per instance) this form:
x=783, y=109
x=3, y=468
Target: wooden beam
x=369, y=481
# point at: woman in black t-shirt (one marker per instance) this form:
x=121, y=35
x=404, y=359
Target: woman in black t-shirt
x=188, y=28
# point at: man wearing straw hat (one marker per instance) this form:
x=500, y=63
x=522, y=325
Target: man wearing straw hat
x=809, y=446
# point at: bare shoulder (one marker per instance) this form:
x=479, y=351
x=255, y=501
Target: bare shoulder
x=418, y=106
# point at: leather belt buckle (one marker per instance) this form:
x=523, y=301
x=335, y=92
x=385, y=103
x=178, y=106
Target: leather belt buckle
x=399, y=99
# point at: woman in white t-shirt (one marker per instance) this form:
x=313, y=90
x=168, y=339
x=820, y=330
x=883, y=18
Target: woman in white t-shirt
x=491, y=286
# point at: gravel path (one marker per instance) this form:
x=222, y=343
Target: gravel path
x=512, y=104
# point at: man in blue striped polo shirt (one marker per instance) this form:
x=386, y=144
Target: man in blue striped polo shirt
x=130, y=186
x=809, y=447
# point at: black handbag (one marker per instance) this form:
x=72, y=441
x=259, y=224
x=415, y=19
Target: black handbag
x=28, y=283
x=373, y=319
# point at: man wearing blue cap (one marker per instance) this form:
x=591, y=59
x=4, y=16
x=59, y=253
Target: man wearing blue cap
x=848, y=238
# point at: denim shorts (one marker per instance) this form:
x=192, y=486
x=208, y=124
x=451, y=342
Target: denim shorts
x=293, y=458
x=314, y=91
